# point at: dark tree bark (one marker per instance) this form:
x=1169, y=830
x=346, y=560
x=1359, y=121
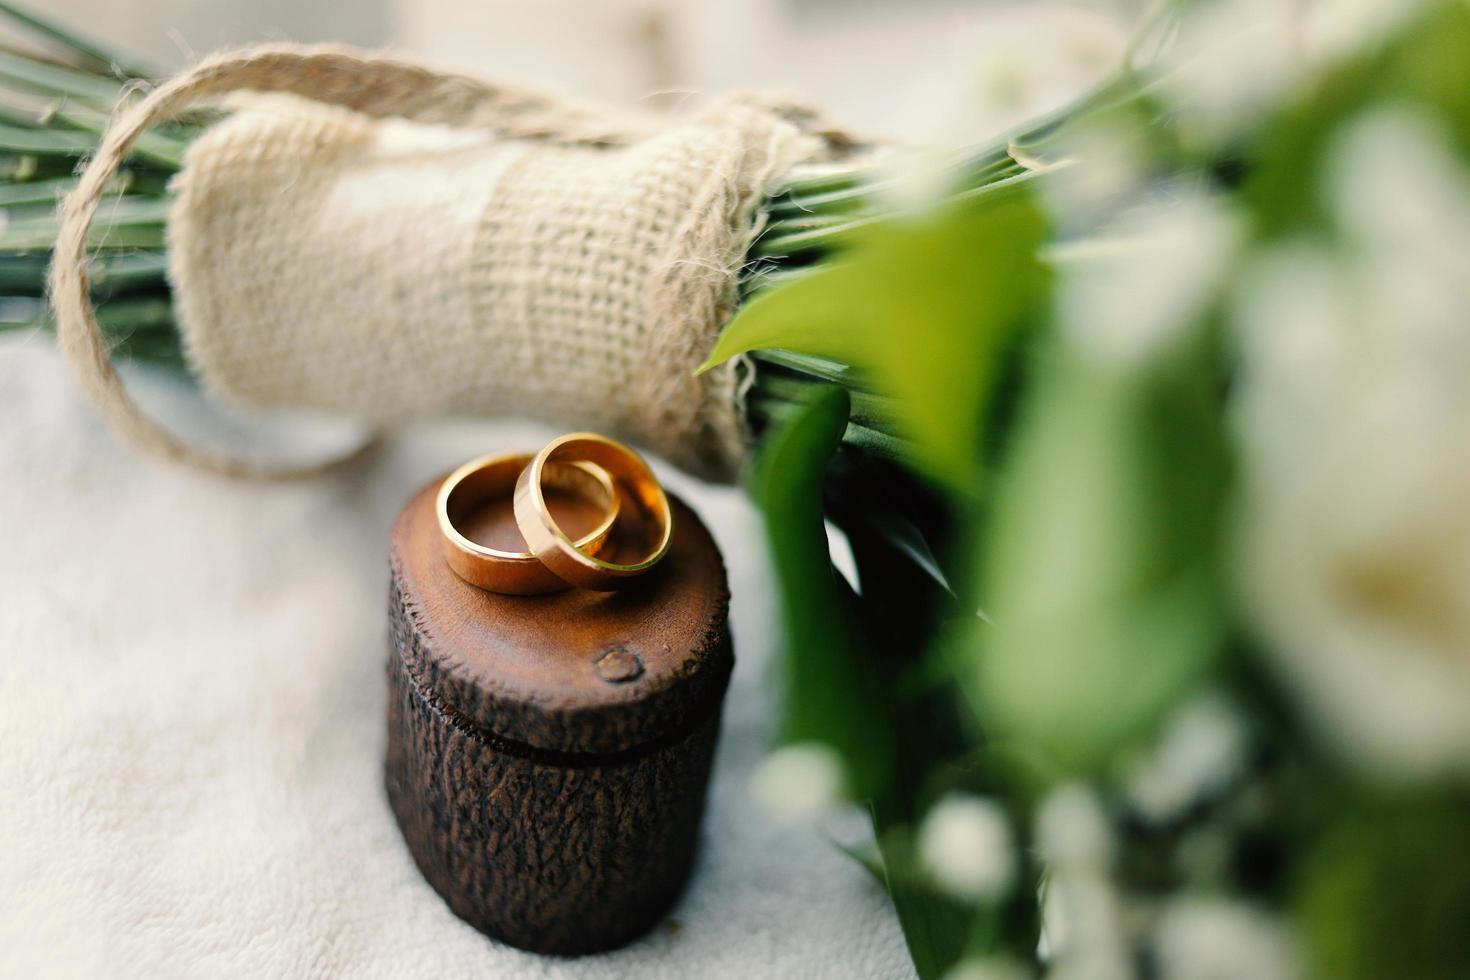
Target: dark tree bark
x=548, y=756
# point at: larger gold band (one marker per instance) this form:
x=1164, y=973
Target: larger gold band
x=640, y=496
x=494, y=476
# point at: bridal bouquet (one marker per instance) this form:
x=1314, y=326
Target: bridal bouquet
x=1146, y=430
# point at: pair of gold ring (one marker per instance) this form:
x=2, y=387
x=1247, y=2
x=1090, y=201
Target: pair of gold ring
x=633, y=517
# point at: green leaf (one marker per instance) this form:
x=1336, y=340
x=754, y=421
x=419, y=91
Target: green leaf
x=129, y=270
x=901, y=534
x=881, y=445
x=817, y=367
x=924, y=309
x=1099, y=561
x=39, y=237
x=872, y=411
x=154, y=146
x=867, y=854
x=904, y=596
x=110, y=273
x=45, y=142
x=128, y=222
x=72, y=41
x=818, y=235
x=936, y=928
x=119, y=319
x=838, y=691
x=49, y=193
x=1384, y=893
x=833, y=694
x=49, y=79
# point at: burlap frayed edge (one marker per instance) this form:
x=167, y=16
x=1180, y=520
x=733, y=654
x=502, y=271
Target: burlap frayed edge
x=382, y=86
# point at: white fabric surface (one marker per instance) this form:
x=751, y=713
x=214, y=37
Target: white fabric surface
x=191, y=732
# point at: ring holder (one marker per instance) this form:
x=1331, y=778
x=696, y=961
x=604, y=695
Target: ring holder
x=548, y=755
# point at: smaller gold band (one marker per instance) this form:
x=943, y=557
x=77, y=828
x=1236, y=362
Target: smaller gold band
x=637, y=488
x=492, y=476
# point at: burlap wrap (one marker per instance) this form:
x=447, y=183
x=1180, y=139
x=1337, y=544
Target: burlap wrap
x=415, y=243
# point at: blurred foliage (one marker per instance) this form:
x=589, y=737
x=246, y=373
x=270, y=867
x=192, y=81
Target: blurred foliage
x=1101, y=557
x=1425, y=67
x=1060, y=590
x=55, y=100
x=1386, y=892
x=833, y=695
x=923, y=307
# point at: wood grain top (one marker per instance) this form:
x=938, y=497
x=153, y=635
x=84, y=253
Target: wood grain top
x=573, y=672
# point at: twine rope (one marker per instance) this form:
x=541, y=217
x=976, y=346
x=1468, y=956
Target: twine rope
x=685, y=301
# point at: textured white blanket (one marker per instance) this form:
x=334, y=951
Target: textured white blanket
x=191, y=732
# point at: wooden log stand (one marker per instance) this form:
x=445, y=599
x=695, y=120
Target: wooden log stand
x=548, y=756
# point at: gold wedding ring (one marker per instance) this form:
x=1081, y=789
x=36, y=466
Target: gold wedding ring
x=483, y=480
x=640, y=496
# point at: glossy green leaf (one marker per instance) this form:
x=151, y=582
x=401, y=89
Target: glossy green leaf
x=936, y=928
x=833, y=694
x=828, y=370
x=837, y=689
x=924, y=309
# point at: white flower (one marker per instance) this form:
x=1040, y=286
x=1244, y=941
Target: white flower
x=987, y=968
x=917, y=178
x=804, y=779
x=1091, y=170
x=1145, y=278
x=1353, y=417
x=1235, y=60
x=1022, y=63
x=1341, y=28
x=1082, y=932
x=1403, y=198
x=965, y=843
x=1212, y=939
x=1200, y=751
x=1232, y=59
x=1072, y=829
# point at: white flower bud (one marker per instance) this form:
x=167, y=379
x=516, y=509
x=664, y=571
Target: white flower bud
x=987, y=968
x=1083, y=936
x=1072, y=829
x=1201, y=750
x=1082, y=931
x=1341, y=28
x=799, y=780
x=1093, y=170
x=1232, y=60
x=1144, y=279
x=1213, y=939
x=965, y=843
